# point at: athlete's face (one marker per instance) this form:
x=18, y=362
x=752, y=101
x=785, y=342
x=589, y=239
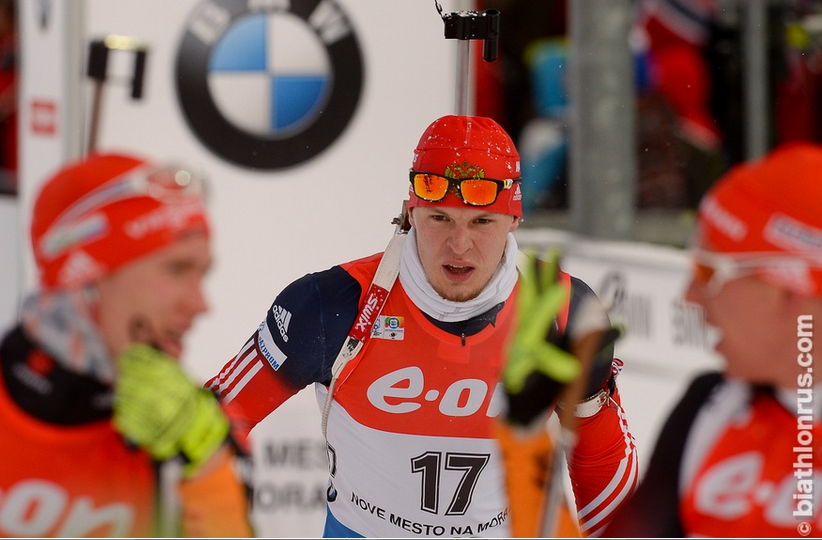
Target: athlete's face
x=460, y=248
x=156, y=298
x=757, y=327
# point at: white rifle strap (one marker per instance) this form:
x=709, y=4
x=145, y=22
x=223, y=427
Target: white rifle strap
x=375, y=298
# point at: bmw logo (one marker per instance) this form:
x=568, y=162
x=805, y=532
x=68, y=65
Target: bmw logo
x=268, y=84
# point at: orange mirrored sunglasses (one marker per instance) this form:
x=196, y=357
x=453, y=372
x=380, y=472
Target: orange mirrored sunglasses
x=474, y=191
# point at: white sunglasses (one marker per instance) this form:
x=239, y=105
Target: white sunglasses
x=713, y=270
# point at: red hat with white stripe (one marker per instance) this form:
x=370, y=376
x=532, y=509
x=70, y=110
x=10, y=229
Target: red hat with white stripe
x=771, y=206
x=99, y=213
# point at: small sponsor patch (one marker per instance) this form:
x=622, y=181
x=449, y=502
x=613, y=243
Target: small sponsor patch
x=792, y=235
x=74, y=234
x=389, y=327
x=282, y=317
x=79, y=267
x=721, y=218
x=174, y=217
x=268, y=348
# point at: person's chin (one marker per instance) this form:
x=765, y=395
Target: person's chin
x=460, y=294
x=741, y=373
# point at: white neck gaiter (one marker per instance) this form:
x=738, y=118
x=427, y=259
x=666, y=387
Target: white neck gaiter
x=416, y=285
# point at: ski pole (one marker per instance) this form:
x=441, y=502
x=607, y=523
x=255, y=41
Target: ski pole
x=584, y=349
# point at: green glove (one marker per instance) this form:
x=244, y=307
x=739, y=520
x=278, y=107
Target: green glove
x=537, y=368
x=157, y=407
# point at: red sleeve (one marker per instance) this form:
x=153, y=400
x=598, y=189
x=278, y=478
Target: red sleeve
x=249, y=390
x=603, y=466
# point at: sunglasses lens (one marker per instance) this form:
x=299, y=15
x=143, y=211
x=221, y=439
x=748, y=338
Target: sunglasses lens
x=703, y=273
x=473, y=191
x=430, y=187
x=479, y=192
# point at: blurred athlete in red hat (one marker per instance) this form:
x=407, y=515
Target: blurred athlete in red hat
x=95, y=408
x=410, y=422
x=737, y=456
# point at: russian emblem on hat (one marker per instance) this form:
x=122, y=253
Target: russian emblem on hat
x=469, y=147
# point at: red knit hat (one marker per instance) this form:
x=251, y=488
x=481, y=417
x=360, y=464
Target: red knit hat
x=469, y=147
x=773, y=205
x=99, y=213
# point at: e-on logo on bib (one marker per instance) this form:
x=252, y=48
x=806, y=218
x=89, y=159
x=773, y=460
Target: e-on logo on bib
x=269, y=83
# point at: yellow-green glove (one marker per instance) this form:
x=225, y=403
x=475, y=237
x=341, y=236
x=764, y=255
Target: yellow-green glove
x=537, y=367
x=158, y=408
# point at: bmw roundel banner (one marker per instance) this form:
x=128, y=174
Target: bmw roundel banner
x=303, y=114
x=299, y=64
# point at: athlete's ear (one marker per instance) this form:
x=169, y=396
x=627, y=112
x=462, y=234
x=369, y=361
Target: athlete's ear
x=514, y=224
x=411, y=216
